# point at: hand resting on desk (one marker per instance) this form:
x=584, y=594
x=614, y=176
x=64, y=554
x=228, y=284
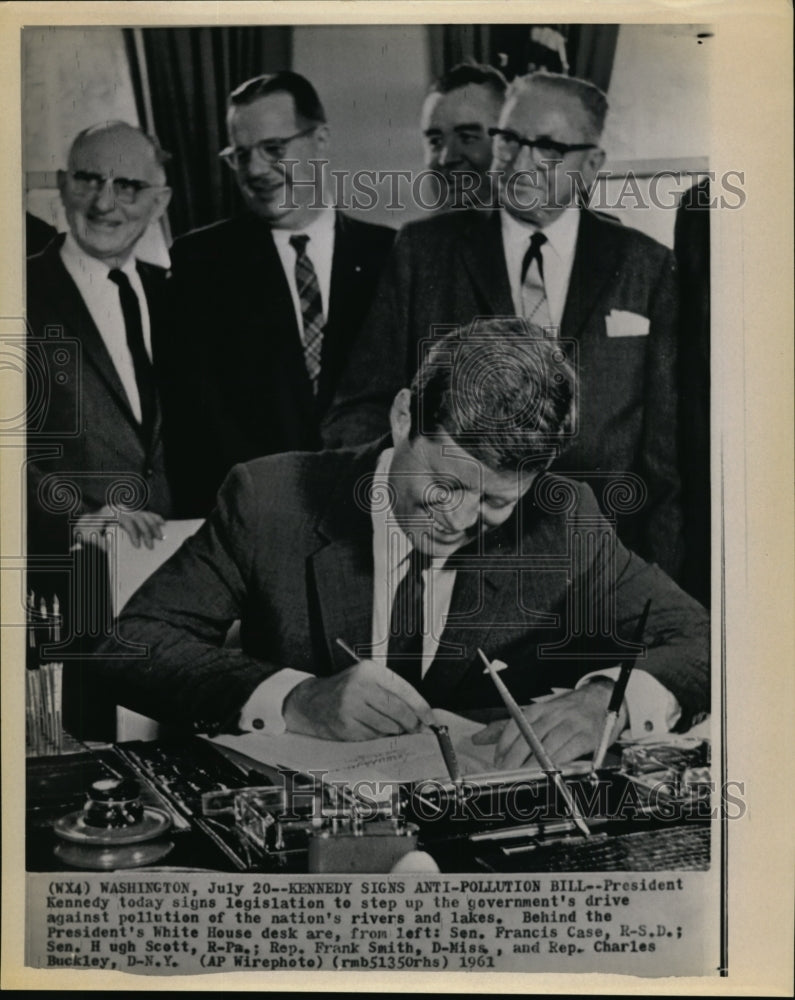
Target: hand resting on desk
x=365, y=701
x=569, y=726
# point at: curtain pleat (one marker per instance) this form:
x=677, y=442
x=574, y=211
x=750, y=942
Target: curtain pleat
x=191, y=72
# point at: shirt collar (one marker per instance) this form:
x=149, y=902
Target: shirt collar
x=382, y=467
x=321, y=228
x=72, y=253
x=561, y=233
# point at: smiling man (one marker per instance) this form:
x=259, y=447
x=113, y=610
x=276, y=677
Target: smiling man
x=416, y=550
x=98, y=325
x=89, y=286
x=608, y=292
x=458, y=112
x=267, y=303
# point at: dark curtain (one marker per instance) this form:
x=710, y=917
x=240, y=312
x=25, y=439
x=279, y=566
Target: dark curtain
x=590, y=49
x=190, y=72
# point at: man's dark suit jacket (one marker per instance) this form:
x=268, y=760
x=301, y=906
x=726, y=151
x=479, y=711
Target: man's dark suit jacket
x=288, y=551
x=447, y=270
x=244, y=388
x=80, y=424
x=85, y=449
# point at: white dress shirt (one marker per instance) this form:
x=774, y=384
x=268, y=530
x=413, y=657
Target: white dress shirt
x=319, y=249
x=101, y=297
x=652, y=709
x=557, y=254
x=391, y=550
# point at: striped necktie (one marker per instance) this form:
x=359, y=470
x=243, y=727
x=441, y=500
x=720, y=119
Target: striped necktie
x=535, y=307
x=311, y=308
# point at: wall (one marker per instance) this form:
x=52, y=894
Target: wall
x=372, y=81
x=72, y=78
x=659, y=119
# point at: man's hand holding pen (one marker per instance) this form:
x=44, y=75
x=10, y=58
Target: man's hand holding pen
x=569, y=726
x=361, y=703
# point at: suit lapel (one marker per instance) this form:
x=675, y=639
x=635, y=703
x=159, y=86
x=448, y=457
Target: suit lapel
x=153, y=280
x=270, y=324
x=343, y=265
x=68, y=302
x=342, y=565
x=481, y=252
x=593, y=269
x=489, y=602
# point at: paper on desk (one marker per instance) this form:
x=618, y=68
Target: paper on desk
x=409, y=757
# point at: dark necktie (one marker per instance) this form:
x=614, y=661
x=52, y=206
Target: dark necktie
x=311, y=307
x=404, y=654
x=535, y=307
x=144, y=376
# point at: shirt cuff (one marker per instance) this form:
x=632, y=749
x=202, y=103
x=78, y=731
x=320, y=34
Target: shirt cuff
x=652, y=709
x=263, y=710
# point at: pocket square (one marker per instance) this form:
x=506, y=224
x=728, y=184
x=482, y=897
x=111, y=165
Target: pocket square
x=621, y=323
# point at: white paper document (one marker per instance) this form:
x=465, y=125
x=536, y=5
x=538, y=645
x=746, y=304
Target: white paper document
x=409, y=757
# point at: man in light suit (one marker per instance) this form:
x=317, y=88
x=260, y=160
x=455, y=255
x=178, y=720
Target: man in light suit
x=607, y=291
x=97, y=324
x=267, y=303
x=417, y=551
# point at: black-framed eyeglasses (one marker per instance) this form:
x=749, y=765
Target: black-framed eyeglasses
x=273, y=150
x=125, y=189
x=507, y=145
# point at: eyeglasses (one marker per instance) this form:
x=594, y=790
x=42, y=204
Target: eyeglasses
x=125, y=189
x=273, y=150
x=507, y=145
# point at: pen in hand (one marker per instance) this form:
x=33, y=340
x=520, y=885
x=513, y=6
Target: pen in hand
x=617, y=695
x=344, y=646
x=423, y=726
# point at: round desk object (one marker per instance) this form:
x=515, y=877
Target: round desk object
x=114, y=829
x=415, y=862
x=108, y=859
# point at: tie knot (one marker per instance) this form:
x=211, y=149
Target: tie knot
x=537, y=240
x=299, y=242
x=118, y=278
x=419, y=560
x=533, y=253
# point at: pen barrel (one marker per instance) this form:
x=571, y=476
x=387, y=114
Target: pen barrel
x=448, y=752
x=518, y=716
x=604, y=742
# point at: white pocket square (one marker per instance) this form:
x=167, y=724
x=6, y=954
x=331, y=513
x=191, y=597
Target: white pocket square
x=621, y=323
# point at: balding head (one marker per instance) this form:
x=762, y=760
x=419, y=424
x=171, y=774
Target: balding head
x=113, y=189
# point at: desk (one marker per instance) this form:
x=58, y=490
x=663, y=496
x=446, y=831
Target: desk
x=57, y=785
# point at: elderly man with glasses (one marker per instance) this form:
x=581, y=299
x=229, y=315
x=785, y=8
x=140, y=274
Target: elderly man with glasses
x=98, y=327
x=606, y=291
x=267, y=303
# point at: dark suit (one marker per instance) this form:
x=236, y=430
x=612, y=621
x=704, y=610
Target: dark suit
x=85, y=415
x=691, y=246
x=450, y=269
x=289, y=552
x=38, y=234
x=245, y=390
x=85, y=449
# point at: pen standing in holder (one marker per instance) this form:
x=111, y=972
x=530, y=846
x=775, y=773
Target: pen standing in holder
x=43, y=681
